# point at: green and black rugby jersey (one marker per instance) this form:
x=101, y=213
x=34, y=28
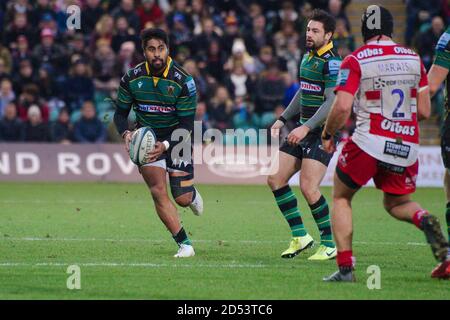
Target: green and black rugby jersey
x=443, y=60
x=318, y=70
x=158, y=101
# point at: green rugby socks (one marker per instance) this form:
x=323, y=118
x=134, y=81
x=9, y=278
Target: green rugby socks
x=321, y=215
x=287, y=202
x=182, y=238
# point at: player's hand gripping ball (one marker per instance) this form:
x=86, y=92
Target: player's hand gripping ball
x=143, y=141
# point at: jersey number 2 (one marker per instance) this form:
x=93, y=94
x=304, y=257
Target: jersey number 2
x=396, y=113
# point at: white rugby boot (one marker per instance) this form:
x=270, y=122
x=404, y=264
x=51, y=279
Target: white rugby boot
x=197, y=204
x=185, y=251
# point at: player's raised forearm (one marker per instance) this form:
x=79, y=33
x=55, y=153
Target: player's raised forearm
x=293, y=108
x=340, y=112
x=321, y=115
x=121, y=120
x=436, y=76
x=423, y=104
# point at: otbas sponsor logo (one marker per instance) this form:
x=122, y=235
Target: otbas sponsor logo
x=310, y=87
x=396, y=127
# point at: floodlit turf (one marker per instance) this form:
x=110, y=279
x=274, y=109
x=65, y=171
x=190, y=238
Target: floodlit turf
x=112, y=232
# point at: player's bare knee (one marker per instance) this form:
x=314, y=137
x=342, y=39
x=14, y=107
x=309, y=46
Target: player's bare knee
x=184, y=200
x=309, y=192
x=272, y=182
x=158, y=192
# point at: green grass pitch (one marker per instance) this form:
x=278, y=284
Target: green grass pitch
x=124, y=252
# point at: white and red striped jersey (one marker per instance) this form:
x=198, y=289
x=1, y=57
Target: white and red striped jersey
x=385, y=77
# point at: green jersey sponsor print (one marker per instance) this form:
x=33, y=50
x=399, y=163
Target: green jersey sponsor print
x=318, y=71
x=158, y=101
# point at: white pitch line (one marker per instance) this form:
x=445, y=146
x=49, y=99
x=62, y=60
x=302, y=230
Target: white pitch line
x=198, y=241
x=137, y=264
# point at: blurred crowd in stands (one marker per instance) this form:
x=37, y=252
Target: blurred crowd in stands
x=56, y=84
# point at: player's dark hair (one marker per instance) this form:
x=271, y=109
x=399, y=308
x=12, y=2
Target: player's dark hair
x=328, y=21
x=154, y=33
x=372, y=26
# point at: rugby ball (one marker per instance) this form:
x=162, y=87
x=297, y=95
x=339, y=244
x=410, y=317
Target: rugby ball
x=143, y=141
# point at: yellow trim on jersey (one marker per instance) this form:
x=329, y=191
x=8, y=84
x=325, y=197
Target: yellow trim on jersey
x=325, y=48
x=165, y=73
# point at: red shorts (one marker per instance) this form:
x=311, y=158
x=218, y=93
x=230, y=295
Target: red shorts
x=355, y=168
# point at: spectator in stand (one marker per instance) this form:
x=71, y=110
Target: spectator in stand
x=11, y=127
x=426, y=41
x=77, y=48
x=29, y=97
x=127, y=10
x=149, y=11
x=47, y=85
x=220, y=109
x=20, y=26
x=282, y=37
x=7, y=94
x=91, y=14
x=49, y=22
x=180, y=35
x=51, y=54
x=105, y=68
x=265, y=58
x=25, y=76
x=103, y=33
x=306, y=11
x=240, y=56
x=269, y=93
x=292, y=87
x=21, y=52
x=61, y=129
x=231, y=33
x=89, y=129
x=287, y=13
x=200, y=82
x=42, y=8
x=128, y=57
x=5, y=55
x=336, y=9
x=292, y=57
x=239, y=83
x=418, y=13
x=79, y=86
x=123, y=33
x=180, y=7
x=35, y=129
x=201, y=115
x=216, y=59
x=202, y=41
x=446, y=11
x=243, y=114
x=342, y=37
x=257, y=37
x=3, y=73
x=199, y=13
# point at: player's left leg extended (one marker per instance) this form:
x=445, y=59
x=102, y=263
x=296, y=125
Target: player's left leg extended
x=403, y=208
x=155, y=177
x=181, y=176
x=312, y=173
